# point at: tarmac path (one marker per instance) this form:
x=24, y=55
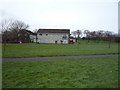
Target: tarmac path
x=53, y=58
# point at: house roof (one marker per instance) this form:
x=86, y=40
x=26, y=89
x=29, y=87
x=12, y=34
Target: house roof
x=53, y=31
x=30, y=32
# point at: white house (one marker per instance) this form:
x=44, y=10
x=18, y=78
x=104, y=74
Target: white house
x=53, y=36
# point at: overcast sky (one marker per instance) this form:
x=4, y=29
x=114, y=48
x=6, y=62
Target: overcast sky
x=92, y=15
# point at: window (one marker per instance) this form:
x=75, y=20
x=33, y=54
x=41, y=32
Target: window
x=40, y=34
x=64, y=37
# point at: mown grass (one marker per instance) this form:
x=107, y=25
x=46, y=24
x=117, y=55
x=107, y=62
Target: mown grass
x=68, y=73
x=42, y=50
x=0, y=50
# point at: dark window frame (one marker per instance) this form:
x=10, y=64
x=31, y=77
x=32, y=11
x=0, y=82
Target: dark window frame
x=40, y=34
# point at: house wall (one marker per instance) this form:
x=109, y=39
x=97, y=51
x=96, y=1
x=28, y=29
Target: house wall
x=52, y=37
x=33, y=38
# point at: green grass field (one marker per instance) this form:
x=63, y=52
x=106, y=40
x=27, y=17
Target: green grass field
x=68, y=73
x=42, y=50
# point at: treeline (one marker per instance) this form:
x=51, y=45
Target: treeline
x=96, y=35
x=13, y=30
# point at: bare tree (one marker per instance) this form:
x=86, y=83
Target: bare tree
x=100, y=34
x=5, y=25
x=93, y=35
x=109, y=37
x=87, y=33
x=16, y=27
x=5, y=29
x=78, y=32
x=74, y=33
x=11, y=29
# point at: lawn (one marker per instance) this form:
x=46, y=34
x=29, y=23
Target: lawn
x=42, y=50
x=68, y=73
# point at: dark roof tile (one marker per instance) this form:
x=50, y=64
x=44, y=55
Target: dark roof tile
x=54, y=31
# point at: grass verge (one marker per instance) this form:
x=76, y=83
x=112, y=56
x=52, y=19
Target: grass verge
x=43, y=50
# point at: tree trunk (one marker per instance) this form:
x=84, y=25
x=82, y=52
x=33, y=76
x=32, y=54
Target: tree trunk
x=109, y=45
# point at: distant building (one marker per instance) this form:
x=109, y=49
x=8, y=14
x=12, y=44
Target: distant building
x=41, y=36
x=32, y=36
x=53, y=36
